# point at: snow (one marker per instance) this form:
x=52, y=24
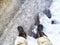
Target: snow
x=55, y=10
x=31, y=41
x=52, y=30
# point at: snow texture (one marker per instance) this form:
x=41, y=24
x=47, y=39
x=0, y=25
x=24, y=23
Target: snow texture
x=52, y=30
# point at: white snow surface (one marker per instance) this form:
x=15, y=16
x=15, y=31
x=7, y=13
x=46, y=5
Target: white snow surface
x=51, y=30
x=31, y=41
